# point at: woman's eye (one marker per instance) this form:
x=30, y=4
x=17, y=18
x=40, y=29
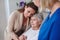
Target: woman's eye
x=28, y=11
x=34, y=20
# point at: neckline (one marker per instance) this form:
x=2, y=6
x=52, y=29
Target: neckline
x=50, y=15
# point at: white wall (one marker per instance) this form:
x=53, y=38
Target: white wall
x=28, y=1
x=3, y=21
x=13, y=6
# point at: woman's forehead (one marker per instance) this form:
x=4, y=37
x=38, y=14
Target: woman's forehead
x=31, y=10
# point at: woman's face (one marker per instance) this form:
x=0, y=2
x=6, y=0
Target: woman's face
x=28, y=12
x=35, y=22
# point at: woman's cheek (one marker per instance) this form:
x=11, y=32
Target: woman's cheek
x=35, y=22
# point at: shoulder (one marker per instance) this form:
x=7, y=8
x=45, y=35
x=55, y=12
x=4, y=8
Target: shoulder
x=15, y=13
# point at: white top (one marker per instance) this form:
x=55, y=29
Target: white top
x=31, y=34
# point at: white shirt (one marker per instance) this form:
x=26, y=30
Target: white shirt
x=31, y=34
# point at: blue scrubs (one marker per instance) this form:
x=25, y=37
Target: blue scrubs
x=50, y=29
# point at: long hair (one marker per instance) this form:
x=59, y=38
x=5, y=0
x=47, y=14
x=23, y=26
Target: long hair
x=46, y=3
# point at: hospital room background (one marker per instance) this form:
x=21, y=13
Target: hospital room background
x=6, y=7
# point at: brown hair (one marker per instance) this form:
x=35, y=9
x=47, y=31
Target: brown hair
x=30, y=4
x=22, y=9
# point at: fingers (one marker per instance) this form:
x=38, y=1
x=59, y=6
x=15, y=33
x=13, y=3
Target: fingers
x=22, y=37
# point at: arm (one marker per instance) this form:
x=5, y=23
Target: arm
x=10, y=27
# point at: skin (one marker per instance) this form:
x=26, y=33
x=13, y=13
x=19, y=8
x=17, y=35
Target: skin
x=35, y=23
x=28, y=12
x=37, y=2
x=22, y=37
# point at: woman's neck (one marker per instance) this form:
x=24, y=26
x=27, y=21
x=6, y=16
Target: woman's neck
x=54, y=8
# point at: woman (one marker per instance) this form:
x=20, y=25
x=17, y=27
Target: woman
x=19, y=20
x=32, y=33
x=50, y=29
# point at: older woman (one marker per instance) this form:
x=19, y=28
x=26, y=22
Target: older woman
x=19, y=20
x=32, y=33
x=50, y=29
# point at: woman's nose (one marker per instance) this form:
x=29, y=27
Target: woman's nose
x=32, y=21
x=29, y=14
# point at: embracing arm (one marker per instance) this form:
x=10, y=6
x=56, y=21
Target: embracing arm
x=9, y=30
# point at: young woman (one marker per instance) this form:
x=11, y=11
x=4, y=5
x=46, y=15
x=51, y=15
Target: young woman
x=50, y=29
x=19, y=20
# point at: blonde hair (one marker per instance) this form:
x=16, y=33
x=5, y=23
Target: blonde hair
x=45, y=3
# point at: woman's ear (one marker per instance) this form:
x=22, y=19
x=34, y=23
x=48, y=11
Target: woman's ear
x=40, y=22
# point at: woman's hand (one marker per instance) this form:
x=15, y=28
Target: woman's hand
x=14, y=37
x=22, y=37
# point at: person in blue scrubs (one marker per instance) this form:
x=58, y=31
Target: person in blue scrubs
x=50, y=28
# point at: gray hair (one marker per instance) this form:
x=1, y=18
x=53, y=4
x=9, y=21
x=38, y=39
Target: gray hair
x=39, y=16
